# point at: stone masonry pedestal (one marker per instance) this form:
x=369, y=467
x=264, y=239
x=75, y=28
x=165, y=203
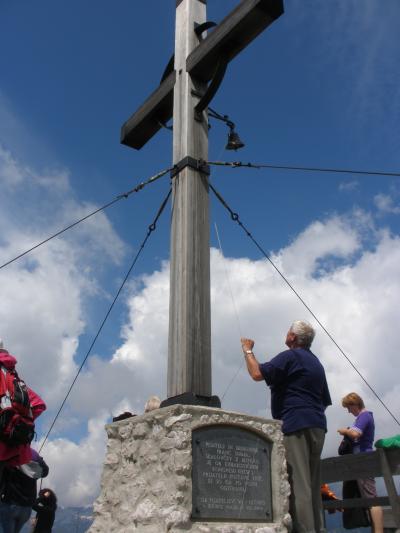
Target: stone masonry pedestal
x=146, y=484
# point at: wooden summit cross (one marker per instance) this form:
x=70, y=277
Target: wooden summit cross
x=187, y=87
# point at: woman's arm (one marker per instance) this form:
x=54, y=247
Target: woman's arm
x=349, y=432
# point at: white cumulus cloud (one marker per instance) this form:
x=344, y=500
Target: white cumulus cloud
x=342, y=266
x=386, y=204
x=74, y=466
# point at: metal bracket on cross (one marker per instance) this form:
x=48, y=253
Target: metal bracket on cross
x=196, y=164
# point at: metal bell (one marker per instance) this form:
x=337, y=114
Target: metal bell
x=234, y=141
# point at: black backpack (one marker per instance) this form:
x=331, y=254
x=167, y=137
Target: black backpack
x=346, y=446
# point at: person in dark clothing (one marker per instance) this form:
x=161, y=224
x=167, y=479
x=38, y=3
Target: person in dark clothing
x=299, y=397
x=45, y=507
x=19, y=493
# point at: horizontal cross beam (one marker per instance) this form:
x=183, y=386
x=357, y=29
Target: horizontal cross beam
x=233, y=34
x=150, y=116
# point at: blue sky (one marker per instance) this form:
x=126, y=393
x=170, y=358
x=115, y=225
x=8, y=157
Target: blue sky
x=320, y=87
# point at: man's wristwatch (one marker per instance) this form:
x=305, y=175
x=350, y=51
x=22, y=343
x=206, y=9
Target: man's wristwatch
x=248, y=352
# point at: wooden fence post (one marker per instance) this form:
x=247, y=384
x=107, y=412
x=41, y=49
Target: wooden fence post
x=390, y=487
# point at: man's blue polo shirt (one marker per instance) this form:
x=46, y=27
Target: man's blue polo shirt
x=299, y=391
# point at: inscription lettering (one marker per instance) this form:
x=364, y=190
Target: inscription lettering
x=231, y=474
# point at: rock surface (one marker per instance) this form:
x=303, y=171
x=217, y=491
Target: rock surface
x=146, y=483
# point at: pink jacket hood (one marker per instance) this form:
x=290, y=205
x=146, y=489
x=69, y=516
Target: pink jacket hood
x=7, y=360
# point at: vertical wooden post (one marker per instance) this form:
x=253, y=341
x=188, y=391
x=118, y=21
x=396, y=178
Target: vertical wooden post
x=189, y=345
x=390, y=487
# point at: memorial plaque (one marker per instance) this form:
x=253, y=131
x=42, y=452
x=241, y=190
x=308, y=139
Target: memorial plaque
x=231, y=474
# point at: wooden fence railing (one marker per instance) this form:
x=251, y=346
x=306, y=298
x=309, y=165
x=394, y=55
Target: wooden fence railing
x=380, y=463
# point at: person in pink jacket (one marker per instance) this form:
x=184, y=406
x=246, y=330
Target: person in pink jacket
x=19, y=454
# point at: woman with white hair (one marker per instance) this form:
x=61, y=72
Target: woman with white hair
x=152, y=403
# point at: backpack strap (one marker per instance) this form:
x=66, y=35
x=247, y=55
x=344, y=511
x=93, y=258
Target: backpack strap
x=5, y=400
x=3, y=380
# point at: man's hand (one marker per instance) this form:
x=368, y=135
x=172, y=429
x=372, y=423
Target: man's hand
x=247, y=344
x=252, y=364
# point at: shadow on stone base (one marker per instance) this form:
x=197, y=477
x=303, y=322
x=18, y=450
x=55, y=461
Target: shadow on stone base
x=189, y=398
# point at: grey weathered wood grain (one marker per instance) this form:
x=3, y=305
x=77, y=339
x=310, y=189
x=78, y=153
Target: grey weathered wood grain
x=189, y=346
x=390, y=486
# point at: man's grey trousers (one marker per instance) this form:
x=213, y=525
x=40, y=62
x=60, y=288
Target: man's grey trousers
x=303, y=455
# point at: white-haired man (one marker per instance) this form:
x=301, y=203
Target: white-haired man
x=299, y=397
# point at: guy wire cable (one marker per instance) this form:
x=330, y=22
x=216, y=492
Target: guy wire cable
x=236, y=313
x=229, y=281
x=239, y=367
x=150, y=229
x=124, y=195
x=238, y=164
x=235, y=218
